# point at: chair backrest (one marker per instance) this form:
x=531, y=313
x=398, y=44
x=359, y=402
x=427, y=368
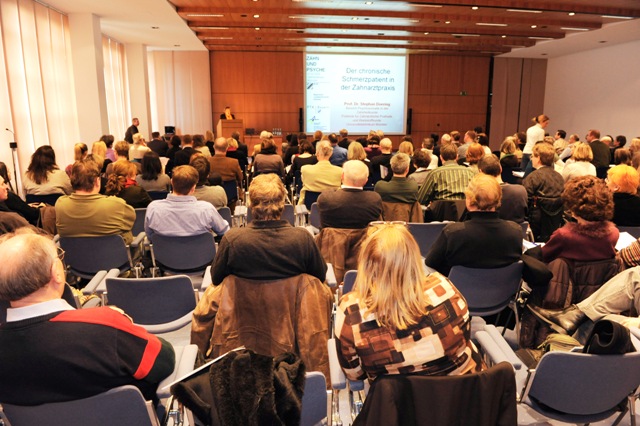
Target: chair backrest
x=349, y=280
x=633, y=230
x=87, y=255
x=47, y=199
x=487, y=291
x=314, y=216
x=124, y=405
x=310, y=197
x=138, y=225
x=183, y=254
x=288, y=214
x=440, y=210
x=225, y=212
x=158, y=195
x=426, y=234
x=583, y=384
x=153, y=301
x=231, y=189
x=314, y=400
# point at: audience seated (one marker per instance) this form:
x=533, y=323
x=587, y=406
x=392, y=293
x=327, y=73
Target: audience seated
x=399, y=189
x=43, y=175
x=182, y=156
x=391, y=322
x=268, y=160
x=234, y=151
x=99, y=153
x=122, y=184
x=623, y=182
x=228, y=168
x=80, y=152
x=139, y=148
x=199, y=145
x=484, y=240
x=181, y=214
x=12, y=203
x=383, y=159
x=475, y=152
x=339, y=155
x=269, y=247
x=544, y=187
x=447, y=182
x=152, y=178
x=87, y=213
x=320, y=176
x=304, y=157
x=592, y=236
x=350, y=207
x=122, y=154
x=52, y=352
x=158, y=144
x=580, y=163
x=514, y=197
x=421, y=161
x=212, y=194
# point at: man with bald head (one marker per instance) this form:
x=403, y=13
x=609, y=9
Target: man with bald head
x=350, y=207
x=51, y=352
x=381, y=164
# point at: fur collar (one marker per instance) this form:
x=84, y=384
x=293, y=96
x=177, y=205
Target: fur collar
x=595, y=230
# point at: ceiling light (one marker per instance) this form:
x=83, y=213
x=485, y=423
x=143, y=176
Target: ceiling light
x=574, y=29
x=504, y=36
x=474, y=8
x=447, y=22
x=572, y=13
x=466, y=35
x=444, y=43
x=204, y=15
x=524, y=11
x=540, y=38
x=355, y=18
x=155, y=28
x=616, y=17
x=426, y=33
x=211, y=28
x=257, y=28
x=256, y=16
x=534, y=26
x=368, y=2
x=486, y=24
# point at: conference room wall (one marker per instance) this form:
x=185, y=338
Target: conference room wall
x=265, y=90
x=597, y=89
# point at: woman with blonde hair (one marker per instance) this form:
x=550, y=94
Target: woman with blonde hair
x=580, y=163
x=99, y=149
x=139, y=148
x=122, y=184
x=623, y=182
x=393, y=299
x=80, y=151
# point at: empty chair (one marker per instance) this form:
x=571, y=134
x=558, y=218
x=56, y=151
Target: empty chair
x=426, y=234
x=138, y=225
x=310, y=197
x=574, y=387
x=225, y=212
x=183, y=255
x=123, y=405
x=314, y=400
x=349, y=280
x=160, y=304
x=314, y=217
x=231, y=189
x=487, y=291
x=85, y=256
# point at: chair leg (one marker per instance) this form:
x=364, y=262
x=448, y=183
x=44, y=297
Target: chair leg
x=623, y=413
x=335, y=408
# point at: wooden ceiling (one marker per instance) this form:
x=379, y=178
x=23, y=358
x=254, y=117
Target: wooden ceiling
x=471, y=27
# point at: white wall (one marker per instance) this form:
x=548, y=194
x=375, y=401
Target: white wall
x=599, y=89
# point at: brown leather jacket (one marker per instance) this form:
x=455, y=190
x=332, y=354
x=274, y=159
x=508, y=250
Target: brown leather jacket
x=340, y=247
x=572, y=282
x=268, y=317
x=402, y=211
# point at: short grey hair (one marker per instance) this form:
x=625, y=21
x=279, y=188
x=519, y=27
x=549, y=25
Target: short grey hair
x=355, y=173
x=400, y=163
x=324, y=150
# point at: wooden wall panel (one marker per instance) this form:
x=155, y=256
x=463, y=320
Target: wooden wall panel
x=265, y=89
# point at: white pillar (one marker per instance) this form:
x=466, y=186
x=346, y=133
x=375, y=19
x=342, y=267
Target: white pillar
x=88, y=71
x=138, y=77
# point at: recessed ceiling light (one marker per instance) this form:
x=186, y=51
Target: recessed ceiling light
x=540, y=38
x=617, y=17
x=355, y=18
x=487, y=24
x=204, y=15
x=257, y=28
x=574, y=29
x=534, y=26
x=572, y=13
x=426, y=33
x=504, y=36
x=155, y=28
x=447, y=22
x=474, y=8
x=368, y=2
x=256, y=16
x=524, y=11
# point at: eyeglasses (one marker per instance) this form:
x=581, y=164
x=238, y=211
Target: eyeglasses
x=60, y=253
x=383, y=223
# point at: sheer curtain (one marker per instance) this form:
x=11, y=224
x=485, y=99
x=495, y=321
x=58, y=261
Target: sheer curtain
x=37, y=95
x=116, y=86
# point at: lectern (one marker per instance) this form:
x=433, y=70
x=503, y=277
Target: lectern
x=226, y=127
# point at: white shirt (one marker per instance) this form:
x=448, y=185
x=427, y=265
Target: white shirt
x=38, y=310
x=535, y=133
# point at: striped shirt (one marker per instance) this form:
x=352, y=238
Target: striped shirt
x=445, y=183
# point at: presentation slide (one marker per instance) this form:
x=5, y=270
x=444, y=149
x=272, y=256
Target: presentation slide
x=355, y=92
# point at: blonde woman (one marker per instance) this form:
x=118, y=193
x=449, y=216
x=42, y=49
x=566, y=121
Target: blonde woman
x=99, y=149
x=80, y=151
x=580, y=163
x=138, y=149
x=392, y=313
